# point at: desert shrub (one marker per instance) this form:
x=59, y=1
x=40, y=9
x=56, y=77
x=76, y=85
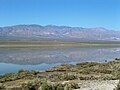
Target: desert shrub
x=118, y=86
x=29, y=86
x=25, y=86
x=74, y=85
x=22, y=73
x=116, y=74
x=32, y=85
x=44, y=86
x=26, y=74
x=8, y=77
x=15, y=88
x=64, y=76
x=87, y=64
x=60, y=87
x=2, y=86
x=105, y=71
x=86, y=70
x=67, y=87
x=83, y=78
x=69, y=77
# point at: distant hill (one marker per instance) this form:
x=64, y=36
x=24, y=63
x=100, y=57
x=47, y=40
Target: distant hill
x=52, y=32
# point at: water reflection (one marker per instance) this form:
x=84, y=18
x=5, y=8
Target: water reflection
x=43, y=58
x=30, y=56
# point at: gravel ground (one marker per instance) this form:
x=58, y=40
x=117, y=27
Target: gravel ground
x=98, y=85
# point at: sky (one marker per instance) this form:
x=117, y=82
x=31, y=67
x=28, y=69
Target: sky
x=75, y=13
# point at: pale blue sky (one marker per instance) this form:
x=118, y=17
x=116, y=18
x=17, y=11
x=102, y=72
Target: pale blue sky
x=80, y=13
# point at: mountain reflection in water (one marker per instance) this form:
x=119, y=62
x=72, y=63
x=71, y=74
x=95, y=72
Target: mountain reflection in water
x=46, y=57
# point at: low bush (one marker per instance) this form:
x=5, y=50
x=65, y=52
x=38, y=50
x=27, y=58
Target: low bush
x=118, y=86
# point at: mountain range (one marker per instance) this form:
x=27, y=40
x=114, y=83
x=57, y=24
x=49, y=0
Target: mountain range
x=52, y=32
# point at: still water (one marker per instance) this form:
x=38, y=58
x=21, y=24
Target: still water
x=14, y=59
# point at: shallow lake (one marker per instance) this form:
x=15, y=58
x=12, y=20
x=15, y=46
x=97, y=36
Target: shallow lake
x=14, y=59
